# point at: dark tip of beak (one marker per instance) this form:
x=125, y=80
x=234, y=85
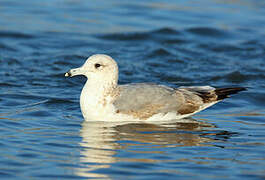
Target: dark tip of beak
x=68, y=74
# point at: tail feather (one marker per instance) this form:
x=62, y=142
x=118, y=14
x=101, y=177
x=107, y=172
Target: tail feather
x=223, y=93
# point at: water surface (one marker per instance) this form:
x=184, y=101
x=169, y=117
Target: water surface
x=44, y=136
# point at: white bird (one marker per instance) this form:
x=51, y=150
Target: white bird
x=102, y=99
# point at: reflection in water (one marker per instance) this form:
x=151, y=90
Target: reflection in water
x=98, y=148
x=101, y=140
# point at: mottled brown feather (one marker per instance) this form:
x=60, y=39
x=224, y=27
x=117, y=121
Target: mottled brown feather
x=144, y=113
x=208, y=97
x=191, y=102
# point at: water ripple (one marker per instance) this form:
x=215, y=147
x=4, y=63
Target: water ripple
x=44, y=135
x=15, y=35
x=210, y=32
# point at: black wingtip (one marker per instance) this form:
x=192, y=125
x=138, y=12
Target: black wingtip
x=223, y=93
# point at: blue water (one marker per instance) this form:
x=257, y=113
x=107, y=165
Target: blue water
x=43, y=134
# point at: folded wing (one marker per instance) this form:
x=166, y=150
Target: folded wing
x=145, y=100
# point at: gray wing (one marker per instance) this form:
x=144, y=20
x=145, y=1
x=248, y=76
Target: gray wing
x=144, y=100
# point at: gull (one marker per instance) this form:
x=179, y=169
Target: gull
x=102, y=99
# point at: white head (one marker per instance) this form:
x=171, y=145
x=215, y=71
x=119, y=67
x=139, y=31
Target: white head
x=99, y=69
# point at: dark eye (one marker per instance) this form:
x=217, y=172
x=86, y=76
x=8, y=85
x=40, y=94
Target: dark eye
x=97, y=65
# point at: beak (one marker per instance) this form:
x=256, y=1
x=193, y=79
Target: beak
x=68, y=74
x=74, y=72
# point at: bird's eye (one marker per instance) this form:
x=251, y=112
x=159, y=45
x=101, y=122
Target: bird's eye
x=97, y=65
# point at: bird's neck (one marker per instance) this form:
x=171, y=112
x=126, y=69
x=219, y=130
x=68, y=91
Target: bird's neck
x=96, y=99
x=96, y=92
